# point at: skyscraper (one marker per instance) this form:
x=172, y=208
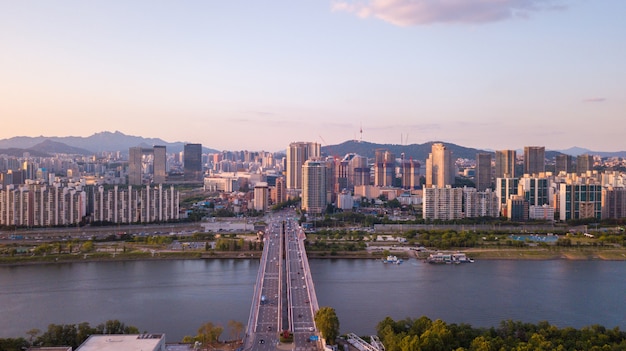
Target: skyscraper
x=563, y=164
x=261, y=194
x=483, y=171
x=505, y=164
x=534, y=159
x=439, y=167
x=384, y=168
x=192, y=162
x=297, y=154
x=136, y=167
x=360, y=171
x=314, y=186
x=159, y=163
x=410, y=174
x=584, y=163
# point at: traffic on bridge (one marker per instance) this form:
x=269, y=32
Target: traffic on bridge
x=284, y=301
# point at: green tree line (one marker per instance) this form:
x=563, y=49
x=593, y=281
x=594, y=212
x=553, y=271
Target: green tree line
x=65, y=335
x=423, y=334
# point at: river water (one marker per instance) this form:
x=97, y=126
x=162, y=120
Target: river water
x=176, y=297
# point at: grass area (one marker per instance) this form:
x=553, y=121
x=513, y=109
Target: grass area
x=97, y=256
x=550, y=253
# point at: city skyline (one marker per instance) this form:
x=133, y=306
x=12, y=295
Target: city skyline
x=488, y=75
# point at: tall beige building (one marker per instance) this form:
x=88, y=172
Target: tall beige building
x=314, y=187
x=439, y=167
x=261, y=194
x=297, y=154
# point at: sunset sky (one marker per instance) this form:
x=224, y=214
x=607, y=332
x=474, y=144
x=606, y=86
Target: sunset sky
x=492, y=74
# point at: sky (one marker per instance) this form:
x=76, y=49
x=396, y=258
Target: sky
x=257, y=75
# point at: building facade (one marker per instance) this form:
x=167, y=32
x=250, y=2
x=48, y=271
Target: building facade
x=297, y=154
x=483, y=171
x=505, y=164
x=480, y=203
x=192, y=163
x=314, y=187
x=439, y=167
x=442, y=203
x=534, y=159
x=563, y=164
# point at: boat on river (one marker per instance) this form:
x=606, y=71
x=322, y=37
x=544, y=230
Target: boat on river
x=392, y=259
x=449, y=258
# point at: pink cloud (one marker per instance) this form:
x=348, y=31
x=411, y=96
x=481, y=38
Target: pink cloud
x=419, y=12
x=596, y=99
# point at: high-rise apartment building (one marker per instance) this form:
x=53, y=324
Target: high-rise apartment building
x=613, y=202
x=483, y=171
x=584, y=163
x=41, y=205
x=192, y=162
x=444, y=203
x=314, y=187
x=579, y=199
x=439, y=167
x=261, y=195
x=281, y=195
x=536, y=190
x=410, y=170
x=297, y=154
x=517, y=208
x=505, y=164
x=563, y=164
x=534, y=159
x=384, y=168
x=480, y=203
x=360, y=171
x=505, y=188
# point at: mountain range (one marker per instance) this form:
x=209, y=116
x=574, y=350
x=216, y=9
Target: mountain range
x=117, y=141
x=96, y=143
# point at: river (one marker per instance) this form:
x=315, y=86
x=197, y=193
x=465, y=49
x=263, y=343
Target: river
x=176, y=297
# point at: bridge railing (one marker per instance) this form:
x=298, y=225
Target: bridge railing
x=359, y=343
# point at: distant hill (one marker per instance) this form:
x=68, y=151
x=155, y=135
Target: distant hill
x=19, y=152
x=415, y=151
x=576, y=151
x=420, y=151
x=55, y=147
x=99, y=142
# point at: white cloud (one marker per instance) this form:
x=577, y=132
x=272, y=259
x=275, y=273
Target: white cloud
x=419, y=12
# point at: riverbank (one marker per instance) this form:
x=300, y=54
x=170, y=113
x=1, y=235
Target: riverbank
x=580, y=254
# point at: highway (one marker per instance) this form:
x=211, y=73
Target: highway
x=284, y=295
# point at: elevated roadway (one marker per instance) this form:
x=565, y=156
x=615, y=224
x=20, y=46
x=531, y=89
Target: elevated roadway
x=284, y=300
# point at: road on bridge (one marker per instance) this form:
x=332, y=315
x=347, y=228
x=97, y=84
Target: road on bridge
x=284, y=296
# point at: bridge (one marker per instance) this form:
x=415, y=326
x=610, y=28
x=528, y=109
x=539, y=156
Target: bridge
x=284, y=300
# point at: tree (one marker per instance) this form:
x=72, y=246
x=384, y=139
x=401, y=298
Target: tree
x=32, y=333
x=87, y=246
x=209, y=332
x=328, y=324
x=235, y=329
x=116, y=327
